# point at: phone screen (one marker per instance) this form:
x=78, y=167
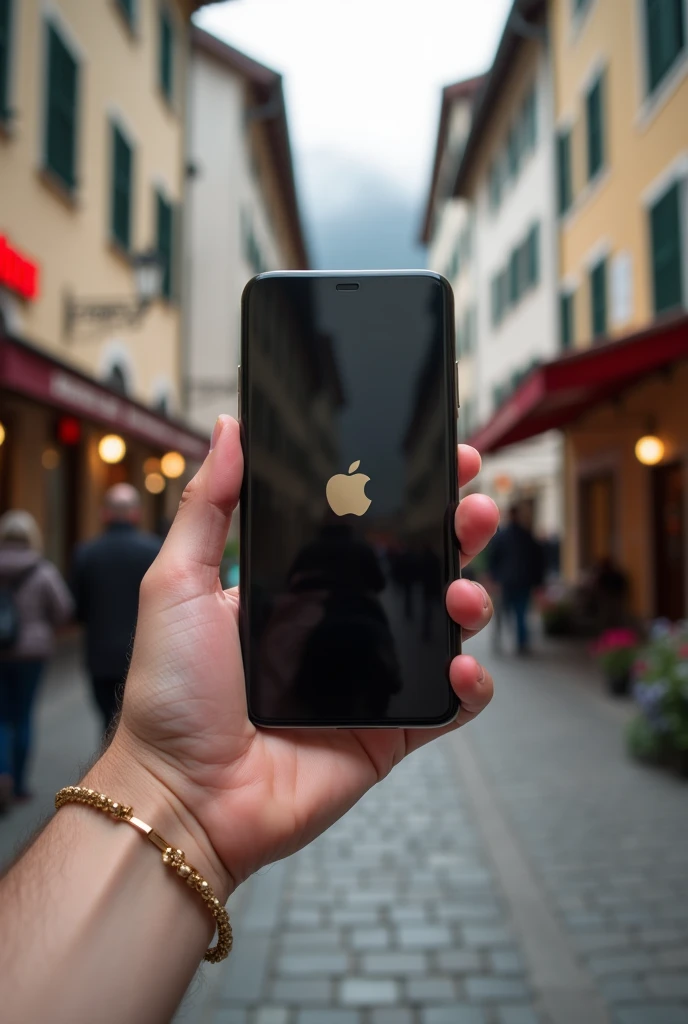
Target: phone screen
x=347, y=536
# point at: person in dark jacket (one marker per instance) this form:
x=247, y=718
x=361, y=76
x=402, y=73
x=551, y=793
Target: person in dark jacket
x=106, y=578
x=42, y=602
x=517, y=565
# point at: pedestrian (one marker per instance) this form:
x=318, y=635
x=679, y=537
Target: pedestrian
x=106, y=578
x=34, y=600
x=517, y=567
x=117, y=931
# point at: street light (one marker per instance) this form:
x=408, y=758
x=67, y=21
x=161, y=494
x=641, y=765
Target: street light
x=148, y=272
x=649, y=450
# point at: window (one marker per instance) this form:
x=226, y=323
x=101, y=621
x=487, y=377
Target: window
x=566, y=322
x=164, y=242
x=564, y=182
x=514, y=282
x=61, y=110
x=467, y=332
x=513, y=151
x=579, y=6
x=496, y=299
x=127, y=9
x=667, y=269
x=495, y=184
x=533, y=251
x=166, y=55
x=598, y=298
x=529, y=126
x=122, y=168
x=5, y=41
x=665, y=37
x=594, y=105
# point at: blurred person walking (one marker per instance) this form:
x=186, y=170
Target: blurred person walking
x=516, y=562
x=34, y=600
x=106, y=579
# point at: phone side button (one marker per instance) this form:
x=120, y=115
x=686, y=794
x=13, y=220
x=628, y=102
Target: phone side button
x=456, y=378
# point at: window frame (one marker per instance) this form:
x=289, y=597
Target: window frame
x=564, y=181
x=166, y=24
x=653, y=87
x=166, y=254
x=678, y=186
x=597, y=85
x=601, y=266
x=567, y=320
x=69, y=183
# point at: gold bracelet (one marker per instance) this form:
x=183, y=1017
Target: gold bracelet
x=175, y=859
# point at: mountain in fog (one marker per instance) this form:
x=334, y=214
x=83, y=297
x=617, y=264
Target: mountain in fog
x=355, y=217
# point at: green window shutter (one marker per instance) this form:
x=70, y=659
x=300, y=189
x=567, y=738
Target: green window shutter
x=529, y=129
x=514, y=277
x=127, y=9
x=595, y=125
x=61, y=104
x=667, y=262
x=164, y=242
x=564, y=183
x=166, y=55
x=533, y=249
x=122, y=174
x=467, y=332
x=513, y=151
x=665, y=35
x=495, y=185
x=5, y=44
x=566, y=323
x=598, y=298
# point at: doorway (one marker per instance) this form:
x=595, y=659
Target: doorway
x=668, y=497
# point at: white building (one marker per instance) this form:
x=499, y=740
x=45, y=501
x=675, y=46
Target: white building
x=449, y=232
x=507, y=176
x=241, y=212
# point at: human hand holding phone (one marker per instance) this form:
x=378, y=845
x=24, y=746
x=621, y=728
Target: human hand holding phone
x=246, y=796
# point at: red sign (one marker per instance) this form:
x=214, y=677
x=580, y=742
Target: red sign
x=17, y=272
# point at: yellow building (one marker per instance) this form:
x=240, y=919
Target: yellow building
x=621, y=121
x=92, y=173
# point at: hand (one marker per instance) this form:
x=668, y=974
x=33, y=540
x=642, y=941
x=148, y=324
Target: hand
x=249, y=796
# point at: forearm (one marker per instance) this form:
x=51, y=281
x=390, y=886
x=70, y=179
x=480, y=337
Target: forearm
x=94, y=925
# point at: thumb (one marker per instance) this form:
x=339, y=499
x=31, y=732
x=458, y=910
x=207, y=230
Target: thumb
x=195, y=543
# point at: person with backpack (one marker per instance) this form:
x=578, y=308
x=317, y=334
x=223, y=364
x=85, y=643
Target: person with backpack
x=34, y=600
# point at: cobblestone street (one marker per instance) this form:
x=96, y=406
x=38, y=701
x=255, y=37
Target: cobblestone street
x=520, y=871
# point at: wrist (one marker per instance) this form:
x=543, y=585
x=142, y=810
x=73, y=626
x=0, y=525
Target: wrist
x=128, y=777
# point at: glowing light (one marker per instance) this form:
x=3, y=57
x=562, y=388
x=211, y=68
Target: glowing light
x=649, y=450
x=151, y=465
x=173, y=465
x=112, y=448
x=50, y=458
x=154, y=483
x=3, y=435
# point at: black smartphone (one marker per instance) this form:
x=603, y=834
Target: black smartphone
x=348, y=399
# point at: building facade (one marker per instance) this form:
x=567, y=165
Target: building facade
x=242, y=215
x=92, y=172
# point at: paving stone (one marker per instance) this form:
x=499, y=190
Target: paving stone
x=370, y=938
x=593, y=942
x=621, y=963
x=651, y=1013
x=305, y=964
x=315, y=940
x=304, y=990
x=669, y=986
x=395, y=1016
x=660, y=936
x=506, y=961
x=621, y=988
x=408, y=914
x=303, y=917
x=369, y=991
x=584, y=920
x=328, y=1016
x=670, y=958
x=481, y=936
x=424, y=936
x=226, y=1015
x=356, y=916
x=468, y=912
x=394, y=963
x=431, y=990
x=518, y=1015
x=458, y=1013
x=459, y=961
x=272, y=1015
x=486, y=987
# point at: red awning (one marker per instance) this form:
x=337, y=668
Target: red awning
x=28, y=371
x=559, y=392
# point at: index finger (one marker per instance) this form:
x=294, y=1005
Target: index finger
x=469, y=464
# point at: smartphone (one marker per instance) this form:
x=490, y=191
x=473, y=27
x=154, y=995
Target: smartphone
x=348, y=409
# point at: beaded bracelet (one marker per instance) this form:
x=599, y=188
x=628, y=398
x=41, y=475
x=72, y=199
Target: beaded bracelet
x=174, y=858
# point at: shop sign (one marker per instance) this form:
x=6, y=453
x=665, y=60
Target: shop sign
x=17, y=272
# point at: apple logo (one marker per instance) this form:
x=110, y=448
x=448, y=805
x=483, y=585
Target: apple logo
x=346, y=494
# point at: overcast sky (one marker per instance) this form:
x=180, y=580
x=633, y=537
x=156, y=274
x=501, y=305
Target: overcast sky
x=363, y=77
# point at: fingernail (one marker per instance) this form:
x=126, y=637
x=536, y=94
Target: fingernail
x=482, y=591
x=217, y=430
x=481, y=673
